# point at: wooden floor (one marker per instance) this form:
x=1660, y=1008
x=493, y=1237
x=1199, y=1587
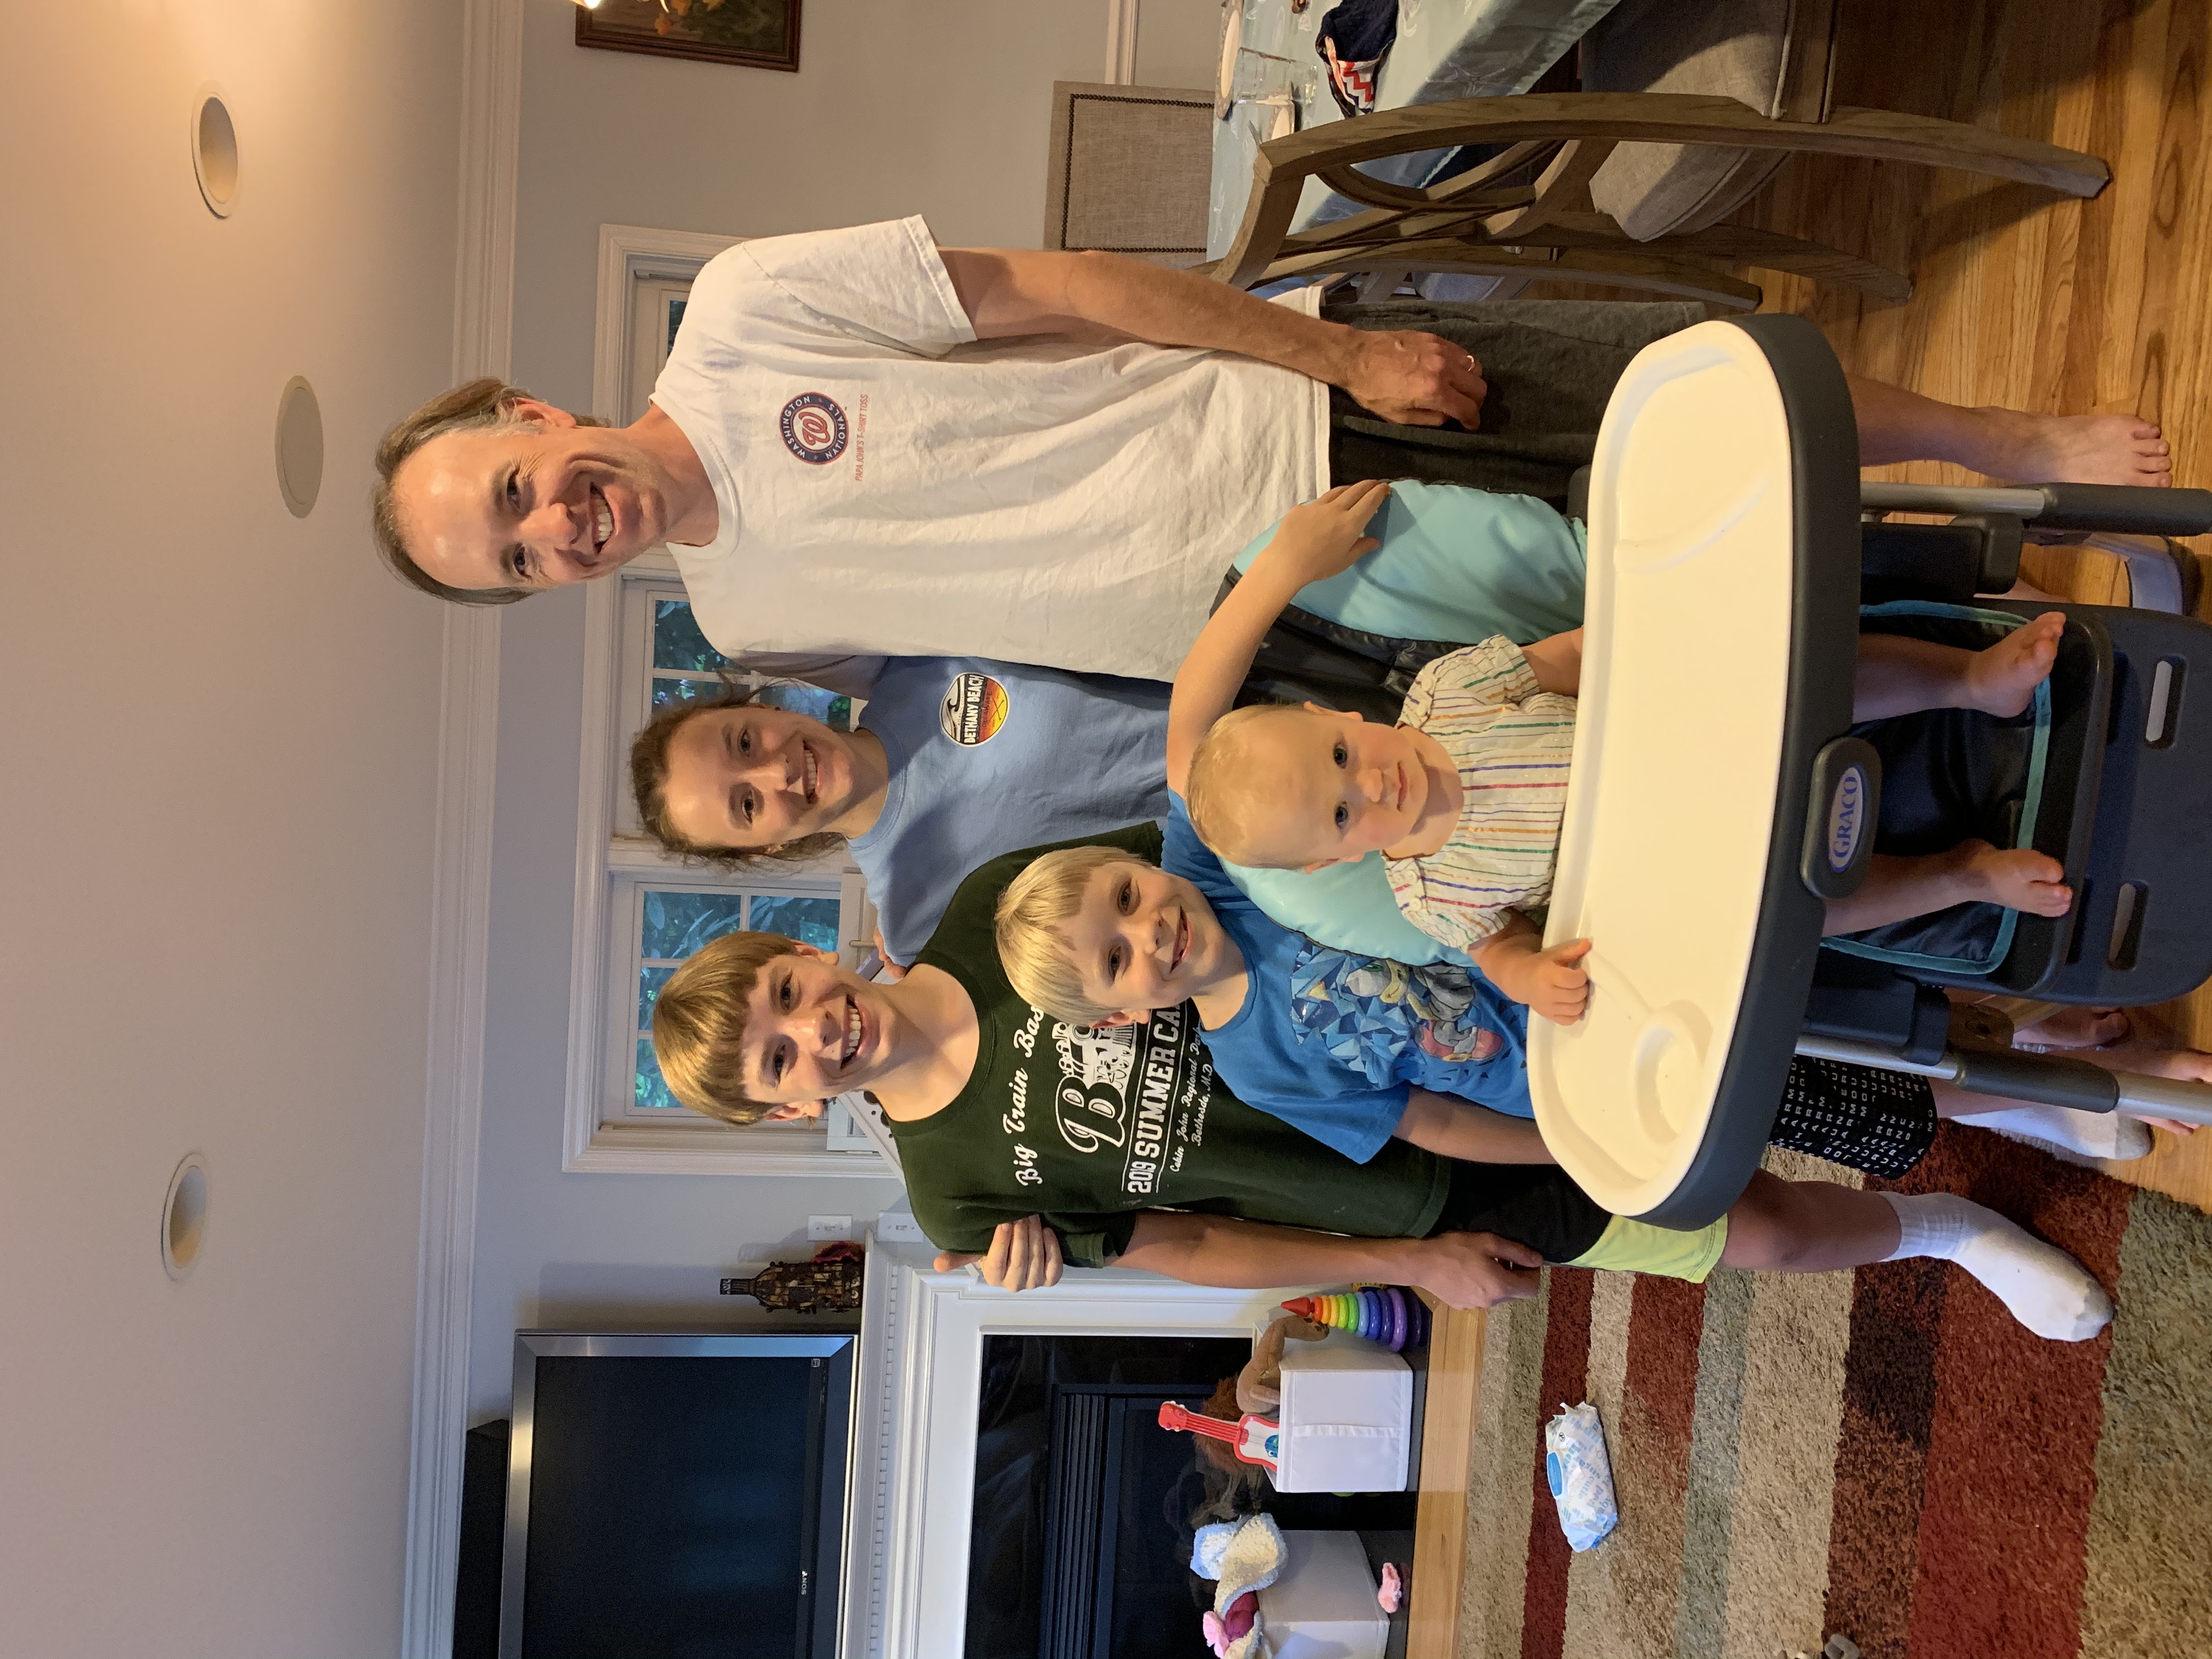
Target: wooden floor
x=2023, y=301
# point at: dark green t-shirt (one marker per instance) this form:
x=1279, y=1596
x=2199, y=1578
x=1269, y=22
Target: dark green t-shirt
x=1089, y=1127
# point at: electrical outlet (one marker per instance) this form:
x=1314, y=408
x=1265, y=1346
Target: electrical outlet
x=899, y=1226
x=829, y=1226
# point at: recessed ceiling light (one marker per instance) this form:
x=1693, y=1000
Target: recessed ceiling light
x=184, y=1216
x=215, y=150
x=299, y=446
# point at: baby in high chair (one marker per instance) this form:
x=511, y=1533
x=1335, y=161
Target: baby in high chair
x=1463, y=797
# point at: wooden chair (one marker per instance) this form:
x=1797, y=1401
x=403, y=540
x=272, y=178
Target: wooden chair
x=1688, y=110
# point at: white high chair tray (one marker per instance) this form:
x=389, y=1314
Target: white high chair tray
x=1707, y=602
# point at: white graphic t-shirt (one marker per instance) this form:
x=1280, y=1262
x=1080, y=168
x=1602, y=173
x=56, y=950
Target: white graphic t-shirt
x=886, y=483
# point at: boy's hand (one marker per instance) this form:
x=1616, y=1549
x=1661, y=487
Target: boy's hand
x=1476, y=1270
x=1552, y=982
x=1025, y=1255
x=1324, y=537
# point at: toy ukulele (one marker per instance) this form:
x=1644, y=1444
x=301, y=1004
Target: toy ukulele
x=1253, y=1439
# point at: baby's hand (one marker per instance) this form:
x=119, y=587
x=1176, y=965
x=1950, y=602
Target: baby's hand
x=1324, y=537
x=1557, y=987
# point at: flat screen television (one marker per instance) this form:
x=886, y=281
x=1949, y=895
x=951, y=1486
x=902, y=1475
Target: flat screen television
x=682, y=1495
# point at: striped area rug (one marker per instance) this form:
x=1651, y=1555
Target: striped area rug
x=1884, y=1455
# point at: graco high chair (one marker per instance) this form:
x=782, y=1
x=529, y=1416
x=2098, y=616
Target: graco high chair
x=1714, y=809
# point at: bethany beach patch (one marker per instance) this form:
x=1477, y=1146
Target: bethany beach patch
x=974, y=709
x=814, y=429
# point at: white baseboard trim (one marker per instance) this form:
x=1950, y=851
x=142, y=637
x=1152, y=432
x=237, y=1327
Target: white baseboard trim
x=1121, y=42
x=491, y=145
x=490, y=132
x=460, y=925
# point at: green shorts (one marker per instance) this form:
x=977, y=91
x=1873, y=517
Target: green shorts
x=1637, y=1246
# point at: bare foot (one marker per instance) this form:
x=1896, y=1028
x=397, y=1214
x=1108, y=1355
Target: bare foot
x=2019, y=879
x=2073, y=1028
x=2001, y=679
x=2182, y=1064
x=2105, y=449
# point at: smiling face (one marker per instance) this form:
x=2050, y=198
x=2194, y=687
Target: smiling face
x=1145, y=939
x=537, y=502
x=757, y=777
x=1337, y=788
x=814, y=1029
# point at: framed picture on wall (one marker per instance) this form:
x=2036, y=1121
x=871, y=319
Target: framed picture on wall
x=758, y=33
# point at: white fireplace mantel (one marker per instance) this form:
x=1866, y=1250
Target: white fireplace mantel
x=916, y=1390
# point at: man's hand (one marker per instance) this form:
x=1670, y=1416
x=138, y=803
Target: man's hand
x=1025, y=1255
x=1475, y=1270
x=1415, y=379
x=1323, y=539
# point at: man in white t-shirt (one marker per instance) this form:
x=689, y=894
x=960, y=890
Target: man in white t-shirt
x=865, y=443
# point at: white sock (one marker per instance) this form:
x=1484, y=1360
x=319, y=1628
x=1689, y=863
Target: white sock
x=2093, y=1134
x=2042, y=1287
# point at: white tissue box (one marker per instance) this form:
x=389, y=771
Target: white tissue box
x=1321, y=1605
x=1346, y=1417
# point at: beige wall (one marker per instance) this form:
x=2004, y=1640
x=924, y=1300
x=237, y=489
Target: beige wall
x=933, y=106
x=1179, y=42
x=219, y=752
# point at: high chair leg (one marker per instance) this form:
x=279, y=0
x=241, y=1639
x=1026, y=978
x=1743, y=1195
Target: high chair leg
x=2049, y=1080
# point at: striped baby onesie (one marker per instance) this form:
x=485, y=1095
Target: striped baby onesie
x=1512, y=744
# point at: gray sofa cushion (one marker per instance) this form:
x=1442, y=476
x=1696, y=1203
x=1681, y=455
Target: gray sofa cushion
x=1730, y=48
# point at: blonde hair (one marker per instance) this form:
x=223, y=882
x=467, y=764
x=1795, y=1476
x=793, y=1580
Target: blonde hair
x=699, y=1025
x=1033, y=909
x=1231, y=806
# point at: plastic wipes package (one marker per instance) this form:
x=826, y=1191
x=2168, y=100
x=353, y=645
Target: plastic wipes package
x=1580, y=1476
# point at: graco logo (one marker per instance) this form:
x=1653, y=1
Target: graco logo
x=1846, y=818
x=813, y=429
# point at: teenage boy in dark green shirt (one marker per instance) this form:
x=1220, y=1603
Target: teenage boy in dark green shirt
x=1027, y=1142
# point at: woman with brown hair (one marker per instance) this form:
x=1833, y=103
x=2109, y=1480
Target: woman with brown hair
x=952, y=760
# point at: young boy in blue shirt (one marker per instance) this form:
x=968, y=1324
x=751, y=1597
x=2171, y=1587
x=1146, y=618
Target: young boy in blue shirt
x=1096, y=937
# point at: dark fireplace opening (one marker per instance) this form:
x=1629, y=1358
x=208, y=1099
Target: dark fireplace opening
x=1085, y=1508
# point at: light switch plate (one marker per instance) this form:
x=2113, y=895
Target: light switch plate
x=829, y=1226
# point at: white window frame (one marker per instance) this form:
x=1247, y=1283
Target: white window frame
x=611, y=867
x=626, y=889
x=630, y=255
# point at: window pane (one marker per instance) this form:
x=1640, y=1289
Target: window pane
x=810, y=920
x=649, y=981
x=675, y=321
x=670, y=688
x=832, y=710
x=676, y=640
x=677, y=924
x=652, y=1089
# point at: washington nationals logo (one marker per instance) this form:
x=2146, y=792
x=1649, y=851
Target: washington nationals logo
x=814, y=429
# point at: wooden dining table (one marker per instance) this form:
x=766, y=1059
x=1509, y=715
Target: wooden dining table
x=1274, y=80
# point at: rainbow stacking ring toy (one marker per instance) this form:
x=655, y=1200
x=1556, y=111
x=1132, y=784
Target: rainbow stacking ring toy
x=1383, y=1314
